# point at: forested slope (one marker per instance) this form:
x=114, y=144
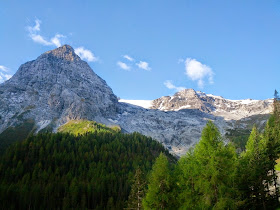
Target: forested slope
x=62, y=170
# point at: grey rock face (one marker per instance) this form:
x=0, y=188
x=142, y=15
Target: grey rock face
x=177, y=121
x=215, y=105
x=184, y=99
x=176, y=130
x=58, y=86
x=54, y=88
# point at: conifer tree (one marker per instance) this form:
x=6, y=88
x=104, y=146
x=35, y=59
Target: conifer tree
x=255, y=172
x=137, y=191
x=207, y=173
x=159, y=194
x=250, y=173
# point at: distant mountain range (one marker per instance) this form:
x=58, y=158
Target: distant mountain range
x=58, y=87
x=208, y=103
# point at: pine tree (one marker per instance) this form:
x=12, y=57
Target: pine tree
x=255, y=172
x=137, y=191
x=159, y=194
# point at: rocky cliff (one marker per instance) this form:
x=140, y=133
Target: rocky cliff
x=177, y=121
x=58, y=86
x=54, y=88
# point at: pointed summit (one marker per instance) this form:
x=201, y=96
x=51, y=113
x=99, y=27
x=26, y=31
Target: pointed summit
x=188, y=91
x=65, y=52
x=53, y=89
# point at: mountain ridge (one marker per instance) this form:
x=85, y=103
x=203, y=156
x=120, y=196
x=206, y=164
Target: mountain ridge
x=216, y=105
x=55, y=88
x=58, y=87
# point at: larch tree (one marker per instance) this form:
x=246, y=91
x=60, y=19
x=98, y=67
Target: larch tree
x=159, y=194
x=207, y=173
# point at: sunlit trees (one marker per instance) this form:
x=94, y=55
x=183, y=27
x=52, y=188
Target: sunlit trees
x=159, y=194
x=206, y=174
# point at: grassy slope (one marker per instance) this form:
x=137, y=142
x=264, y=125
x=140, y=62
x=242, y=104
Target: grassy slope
x=277, y=166
x=79, y=127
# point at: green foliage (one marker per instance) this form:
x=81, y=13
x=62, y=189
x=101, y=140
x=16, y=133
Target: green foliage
x=159, y=194
x=17, y=133
x=206, y=174
x=90, y=166
x=253, y=145
x=238, y=137
x=78, y=127
x=212, y=176
x=137, y=191
x=256, y=177
x=66, y=171
x=277, y=166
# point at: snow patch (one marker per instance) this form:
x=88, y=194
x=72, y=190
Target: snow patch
x=213, y=96
x=147, y=104
x=183, y=107
x=113, y=121
x=246, y=101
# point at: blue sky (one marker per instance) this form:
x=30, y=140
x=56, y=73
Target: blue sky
x=146, y=49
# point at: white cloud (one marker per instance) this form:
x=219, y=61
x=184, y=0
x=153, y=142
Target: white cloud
x=35, y=28
x=56, y=40
x=39, y=39
x=197, y=71
x=170, y=85
x=143, y=65
x=4, y=68
x=128, y=57
x=123, y=65
x=8, y=76
x=36, y=37
x=4, y=74
x=140, y=64
x=85, y=54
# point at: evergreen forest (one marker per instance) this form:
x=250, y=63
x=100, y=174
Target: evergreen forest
x=103, y=168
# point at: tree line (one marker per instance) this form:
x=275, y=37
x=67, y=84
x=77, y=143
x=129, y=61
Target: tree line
x=65, y=171
x=106, y=169
x=213, y=175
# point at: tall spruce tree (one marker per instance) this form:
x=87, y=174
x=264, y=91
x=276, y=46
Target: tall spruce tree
x=137, y=191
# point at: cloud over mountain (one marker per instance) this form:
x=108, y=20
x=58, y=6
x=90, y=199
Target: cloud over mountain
x=85, y=54
x=169, y=84
x=4, y=73
x=197, y=71
x=36, y=37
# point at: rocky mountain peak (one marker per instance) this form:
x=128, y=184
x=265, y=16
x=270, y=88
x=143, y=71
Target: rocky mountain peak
x=65, y=52
x=216, y=105
x=53, y=89
x=58, y=86
x=177, y=121
x=186, y=93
